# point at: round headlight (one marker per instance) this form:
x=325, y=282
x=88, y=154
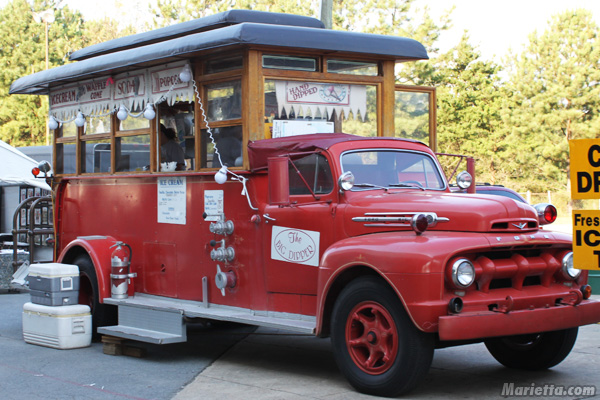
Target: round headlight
x=464, y=180
x=568, y=271
x=463, y=273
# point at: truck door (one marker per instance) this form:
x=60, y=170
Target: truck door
x=295, y=236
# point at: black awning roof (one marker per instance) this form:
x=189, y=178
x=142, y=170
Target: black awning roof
x=244, y=34
x=210, y=22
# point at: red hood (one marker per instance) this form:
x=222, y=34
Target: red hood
x=455, y=212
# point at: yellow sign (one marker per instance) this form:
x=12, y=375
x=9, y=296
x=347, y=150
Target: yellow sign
x=586, y=239
x=585, y=168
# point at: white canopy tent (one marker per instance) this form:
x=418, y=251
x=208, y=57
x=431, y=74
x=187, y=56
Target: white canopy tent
x=15, y=168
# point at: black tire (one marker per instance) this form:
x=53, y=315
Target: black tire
x=375, y=344
x=533, y=352
x=102, y=314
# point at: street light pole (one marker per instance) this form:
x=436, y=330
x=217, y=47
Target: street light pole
x=46, y=26
x=327, y=13
x=47, y=17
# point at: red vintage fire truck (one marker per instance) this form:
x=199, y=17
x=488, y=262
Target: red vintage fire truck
x=199, y=172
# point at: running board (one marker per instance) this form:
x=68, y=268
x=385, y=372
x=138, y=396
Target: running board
x=161, y=320
x=148, y=325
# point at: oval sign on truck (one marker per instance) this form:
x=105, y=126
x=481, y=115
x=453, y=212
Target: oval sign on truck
x=295, y=245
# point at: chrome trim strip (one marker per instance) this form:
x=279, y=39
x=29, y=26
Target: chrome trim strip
x=398, y=217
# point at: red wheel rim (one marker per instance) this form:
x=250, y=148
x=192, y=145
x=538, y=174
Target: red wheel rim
x=371, y=337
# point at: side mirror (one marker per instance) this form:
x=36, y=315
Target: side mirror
x=279, y=181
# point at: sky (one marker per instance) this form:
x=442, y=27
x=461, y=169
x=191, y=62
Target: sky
x=495, y=26
x=499, y=25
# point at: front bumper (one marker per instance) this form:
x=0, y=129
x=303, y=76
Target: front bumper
x=484, y=324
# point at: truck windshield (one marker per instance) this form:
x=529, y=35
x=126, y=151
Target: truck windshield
x=374, y=169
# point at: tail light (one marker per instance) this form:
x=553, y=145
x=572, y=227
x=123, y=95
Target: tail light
x=546, y=213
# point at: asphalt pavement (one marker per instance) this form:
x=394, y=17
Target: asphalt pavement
x=239, y=362
x=34, y=372
x=274, y=365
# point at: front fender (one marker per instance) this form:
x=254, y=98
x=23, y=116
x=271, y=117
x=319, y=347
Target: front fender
x=413, y=265
x=98, y=248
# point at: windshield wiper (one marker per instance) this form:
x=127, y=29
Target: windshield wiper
x=410, y=185
x=370, y=185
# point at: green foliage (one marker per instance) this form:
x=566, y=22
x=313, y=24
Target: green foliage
x=470, y=99
x=411, y=115
x=556, y=97
x=98, y=31
x=22, y=118
x=515, y=118
x=23, y=52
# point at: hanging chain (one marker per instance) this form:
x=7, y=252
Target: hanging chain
x=210, y=134
x=241, y=179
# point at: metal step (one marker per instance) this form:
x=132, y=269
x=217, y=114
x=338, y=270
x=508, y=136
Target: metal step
x=160, y=320
x=159, y=326
x=141, y=335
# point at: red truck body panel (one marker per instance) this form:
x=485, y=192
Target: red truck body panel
x=171, y=259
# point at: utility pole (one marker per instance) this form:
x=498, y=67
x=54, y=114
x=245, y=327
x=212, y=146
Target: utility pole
x=45, y=17
x=327, y=13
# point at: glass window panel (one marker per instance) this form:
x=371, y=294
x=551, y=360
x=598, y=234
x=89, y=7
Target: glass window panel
x=65, y=158
x=180, y=119
x=316, y=173
x=352, y=67
x=223, y=64
x=94, y=125
x=133, y=153
x=68, y=129
x=361, y=125
x=412, y=115
x=271, y=108
x=288, y=62
x=95, y=156
x=131, y=123
x=224, y=100
x=319, y=102
x=387, y=168
x=228, y=142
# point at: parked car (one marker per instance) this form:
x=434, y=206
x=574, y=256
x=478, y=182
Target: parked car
x=495, y=190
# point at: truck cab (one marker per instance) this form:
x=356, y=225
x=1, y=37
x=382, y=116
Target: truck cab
x=309, y=198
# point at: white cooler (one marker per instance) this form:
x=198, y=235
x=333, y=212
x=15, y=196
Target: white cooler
x=65, y=327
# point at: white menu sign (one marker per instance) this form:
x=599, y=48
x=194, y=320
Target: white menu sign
x=171, y=201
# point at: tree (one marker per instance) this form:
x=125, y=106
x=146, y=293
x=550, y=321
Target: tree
x=98, y=31
x=22, y=117
x=470, y=99
x=556, y=87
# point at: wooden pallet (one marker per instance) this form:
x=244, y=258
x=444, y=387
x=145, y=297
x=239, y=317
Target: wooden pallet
x=115, y=346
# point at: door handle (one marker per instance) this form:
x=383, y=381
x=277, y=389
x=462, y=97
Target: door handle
x=266, y=216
